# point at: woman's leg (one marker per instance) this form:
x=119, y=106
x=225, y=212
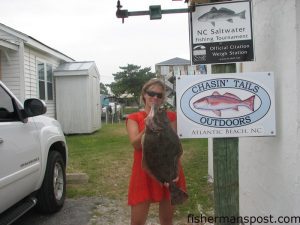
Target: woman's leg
x=139, y=213
x=166, y=212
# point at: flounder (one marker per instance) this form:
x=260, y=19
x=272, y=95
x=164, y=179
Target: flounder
x=161, y=152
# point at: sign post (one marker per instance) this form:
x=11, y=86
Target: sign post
x=222, y=33
x=225, y=150
x=226, y=169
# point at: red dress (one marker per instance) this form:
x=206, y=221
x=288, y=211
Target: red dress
x=142, y=187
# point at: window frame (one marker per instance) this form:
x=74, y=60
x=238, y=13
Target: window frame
x=178, y=70
x=164, y=70
x=45, y=80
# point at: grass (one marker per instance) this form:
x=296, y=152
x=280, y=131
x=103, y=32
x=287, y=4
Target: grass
x=128, y=110
x=106, y=156
x=195, y=165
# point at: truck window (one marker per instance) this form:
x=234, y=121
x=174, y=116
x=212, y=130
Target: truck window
x=7, y=112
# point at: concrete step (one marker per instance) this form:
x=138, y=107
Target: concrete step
x=77, y=178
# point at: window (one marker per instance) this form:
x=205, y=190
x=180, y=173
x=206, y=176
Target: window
x=178, y=70
x=191, y=70
x=164, y=70
x=45, y=75
x=7, y=112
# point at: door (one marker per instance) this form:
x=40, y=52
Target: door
x=19, y=153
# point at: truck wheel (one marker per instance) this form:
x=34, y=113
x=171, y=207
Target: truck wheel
x=51, y=196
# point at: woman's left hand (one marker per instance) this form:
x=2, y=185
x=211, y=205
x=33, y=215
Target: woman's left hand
x=166, y=184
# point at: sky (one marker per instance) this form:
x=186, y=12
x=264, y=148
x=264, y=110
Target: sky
x=88, y=30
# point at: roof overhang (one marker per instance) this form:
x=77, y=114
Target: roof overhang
x=42, y=47
x=30, y=41
x=8, y=45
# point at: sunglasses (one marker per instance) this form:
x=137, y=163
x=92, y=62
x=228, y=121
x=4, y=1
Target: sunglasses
x=152, y=94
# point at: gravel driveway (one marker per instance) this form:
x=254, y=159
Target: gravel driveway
x=87, y=211
x=74, y=212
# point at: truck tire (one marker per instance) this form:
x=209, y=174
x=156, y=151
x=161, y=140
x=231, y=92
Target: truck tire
x=51, y=195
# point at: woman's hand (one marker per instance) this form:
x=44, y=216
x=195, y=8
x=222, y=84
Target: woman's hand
x=166, y=184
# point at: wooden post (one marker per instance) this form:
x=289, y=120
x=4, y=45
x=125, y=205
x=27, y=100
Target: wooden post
x=226, y=170
x=225, y=165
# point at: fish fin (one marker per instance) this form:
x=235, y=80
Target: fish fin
x=227, y=94
x=213, y=23
x=213, y=9
x=215, y=93
x=227, y=10
x=249, y=102
x=242, y=14
x=217, y=112
x=178, y=196
x=230, y=20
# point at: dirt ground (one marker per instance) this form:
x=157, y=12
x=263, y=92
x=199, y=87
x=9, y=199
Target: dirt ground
x=112, y=212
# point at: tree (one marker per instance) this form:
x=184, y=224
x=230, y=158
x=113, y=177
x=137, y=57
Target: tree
x=103, y=89
x=131, y=80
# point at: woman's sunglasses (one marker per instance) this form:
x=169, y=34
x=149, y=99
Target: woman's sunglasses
x=152, y=94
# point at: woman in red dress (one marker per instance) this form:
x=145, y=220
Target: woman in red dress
x=143, y=189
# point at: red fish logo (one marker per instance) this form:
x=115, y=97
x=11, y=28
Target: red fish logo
x=217, y=102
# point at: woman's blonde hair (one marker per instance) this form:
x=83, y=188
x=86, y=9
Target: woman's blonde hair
x=148, y=84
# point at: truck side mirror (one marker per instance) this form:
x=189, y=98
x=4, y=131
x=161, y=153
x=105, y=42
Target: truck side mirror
x=34, y=107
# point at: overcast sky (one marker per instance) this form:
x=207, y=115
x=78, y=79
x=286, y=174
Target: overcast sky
x=88, y=30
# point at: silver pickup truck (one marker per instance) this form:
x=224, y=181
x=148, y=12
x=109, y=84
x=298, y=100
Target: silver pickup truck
x=33, y=158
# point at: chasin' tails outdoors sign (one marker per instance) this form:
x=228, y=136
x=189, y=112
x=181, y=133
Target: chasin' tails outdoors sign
x=226, y=105
x=222, y=33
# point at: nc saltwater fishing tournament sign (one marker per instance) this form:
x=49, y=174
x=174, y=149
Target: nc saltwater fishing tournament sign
x=221, y=33
x=225, y=105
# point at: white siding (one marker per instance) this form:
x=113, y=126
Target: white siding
x=10, y=66
x=269, y=167
x=31, y=56
x=71, y=100
x=78, y=100
x=6, y=36
x=19, y=66
x=30, y=74
x=95, y=98
x=10, y=71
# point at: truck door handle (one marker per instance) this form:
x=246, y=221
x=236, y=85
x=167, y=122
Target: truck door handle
x=1, y=141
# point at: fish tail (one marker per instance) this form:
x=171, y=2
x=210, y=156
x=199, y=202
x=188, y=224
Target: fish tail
x=250, y=102
x=178, y=196
x=242, y=14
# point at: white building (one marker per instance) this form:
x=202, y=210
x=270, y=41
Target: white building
x=27, y=66
x=269, y=168
x=77, y=97
x=167, y=70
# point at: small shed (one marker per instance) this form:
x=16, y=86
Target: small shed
x=77, y=97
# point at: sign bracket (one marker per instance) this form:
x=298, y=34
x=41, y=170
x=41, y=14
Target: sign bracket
x=154, y=11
